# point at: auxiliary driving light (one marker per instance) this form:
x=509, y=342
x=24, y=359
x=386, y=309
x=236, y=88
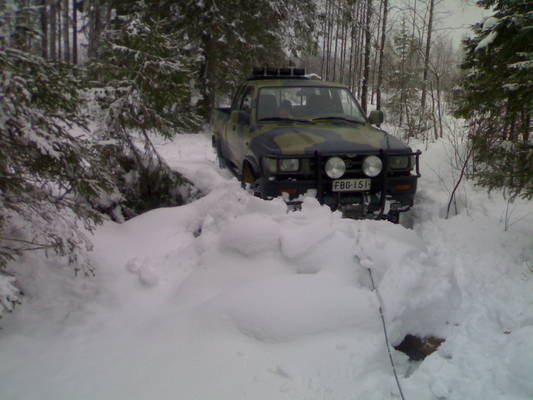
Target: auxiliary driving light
x=335, y=167
x=372, y=166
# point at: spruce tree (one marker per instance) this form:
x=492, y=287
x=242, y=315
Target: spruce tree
x=45, y=168
x=144, y=82
x=232, y=36
x=49, y=166
x=498, y=97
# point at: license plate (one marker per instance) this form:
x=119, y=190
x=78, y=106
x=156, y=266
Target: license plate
x=351, y=185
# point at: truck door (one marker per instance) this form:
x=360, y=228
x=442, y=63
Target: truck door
x=240, y=126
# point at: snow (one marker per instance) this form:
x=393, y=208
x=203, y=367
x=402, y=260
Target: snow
x=9, y=294
x=490, y=23
x=233, y=297
x=522, y=65
x=487, y=40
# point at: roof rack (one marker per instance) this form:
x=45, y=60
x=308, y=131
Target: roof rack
x=278, y=73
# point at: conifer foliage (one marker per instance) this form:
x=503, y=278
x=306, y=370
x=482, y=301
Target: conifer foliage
x=141, y=62
x=232, y=36
x=498, y=97
x=48, y=166
x=144, y=85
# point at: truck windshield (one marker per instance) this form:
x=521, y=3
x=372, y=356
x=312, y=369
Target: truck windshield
x=307, y=103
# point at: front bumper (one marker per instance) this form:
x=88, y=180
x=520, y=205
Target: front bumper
x=390, y=193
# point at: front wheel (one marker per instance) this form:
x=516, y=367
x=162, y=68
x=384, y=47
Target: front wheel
x=248, y=180
x=248, y=176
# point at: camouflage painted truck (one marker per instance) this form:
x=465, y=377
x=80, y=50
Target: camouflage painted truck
x=288, y=135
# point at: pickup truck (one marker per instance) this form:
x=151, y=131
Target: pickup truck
x=288, y=135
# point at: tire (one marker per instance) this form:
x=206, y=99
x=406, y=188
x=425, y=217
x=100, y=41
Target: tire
x=248, y=177
x=248, y=180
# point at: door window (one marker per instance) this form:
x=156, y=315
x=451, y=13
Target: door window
x=246, y=102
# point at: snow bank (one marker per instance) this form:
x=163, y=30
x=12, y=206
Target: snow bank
x=251, y=234
x=234, y=297
x=291, y=307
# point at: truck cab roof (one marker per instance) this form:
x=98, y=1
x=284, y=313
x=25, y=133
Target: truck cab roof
x=258, y=82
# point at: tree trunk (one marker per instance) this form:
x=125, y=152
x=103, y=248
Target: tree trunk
x=66, y=23
x=328, y=41
x=373, y=75
x=95, y=28
x=324, y=30
x=352, y=45
x=375, y=60
x=426, y=56
x=59, y=24
x=439, y=105
x=366, y=68
x=414, y=21
x=433, y=112
x=381, y=53
x=360, y=49
x=53, y=30
x=344, y=40
x=336, y=19
x=207, y=84
x=44, y=28
x=74, y=33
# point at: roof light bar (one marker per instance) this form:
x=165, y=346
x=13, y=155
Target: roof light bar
x=265, y=72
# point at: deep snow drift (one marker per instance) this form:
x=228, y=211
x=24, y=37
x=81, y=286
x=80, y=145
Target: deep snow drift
x=231, y=297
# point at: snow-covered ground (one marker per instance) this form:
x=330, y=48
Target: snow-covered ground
x=231, y=297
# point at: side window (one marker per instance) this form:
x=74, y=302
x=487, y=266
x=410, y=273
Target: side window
x=237, y=99
x=246, y=103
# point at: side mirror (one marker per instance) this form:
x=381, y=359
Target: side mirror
x=376, y=117
x=240, y=117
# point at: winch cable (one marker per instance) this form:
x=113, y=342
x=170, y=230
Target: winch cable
x=374, y=289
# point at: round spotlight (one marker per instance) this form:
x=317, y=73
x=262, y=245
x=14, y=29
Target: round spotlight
x=372, y=166
x=335, y=167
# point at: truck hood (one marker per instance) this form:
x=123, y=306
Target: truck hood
x=303, y=139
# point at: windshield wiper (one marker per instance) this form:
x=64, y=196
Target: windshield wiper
x=340, y=118
x=286, y=119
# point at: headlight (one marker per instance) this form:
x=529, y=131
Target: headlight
x=335, y=167
x=372, y=166
x=275, y=165
x=270, y=164
x=289, y=164
x=399, y=162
